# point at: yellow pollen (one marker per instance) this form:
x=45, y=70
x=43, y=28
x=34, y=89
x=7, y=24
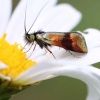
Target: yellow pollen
x=13, y=56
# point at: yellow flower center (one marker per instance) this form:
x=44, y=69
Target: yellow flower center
x=13, y=56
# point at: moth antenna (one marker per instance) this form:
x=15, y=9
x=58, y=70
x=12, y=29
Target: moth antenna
x=38, y=16
x=25, y=18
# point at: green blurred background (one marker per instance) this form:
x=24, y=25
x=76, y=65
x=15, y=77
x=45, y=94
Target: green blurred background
x=65, y=88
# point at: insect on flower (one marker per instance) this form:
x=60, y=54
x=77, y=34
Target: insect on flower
x=70, y=41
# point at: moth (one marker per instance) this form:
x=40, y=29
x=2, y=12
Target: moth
x=70, y=41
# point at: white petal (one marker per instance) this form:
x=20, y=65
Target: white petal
x=93, y=56
x=3, y=66
x=64, y=18
x=4, y=77
x=92, y=38
x=5, y=11
x=92, y=31
x=92, y=93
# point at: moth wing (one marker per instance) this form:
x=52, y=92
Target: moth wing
x=73, y=41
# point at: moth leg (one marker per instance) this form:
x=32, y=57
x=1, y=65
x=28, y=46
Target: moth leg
x=29, y=48
x=24, y=46
x=32, y=51
x=50, y=51
x=73, y=54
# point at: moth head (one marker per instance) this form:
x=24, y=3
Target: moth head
x=30, y=37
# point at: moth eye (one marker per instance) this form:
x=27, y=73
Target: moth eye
x=27, y=36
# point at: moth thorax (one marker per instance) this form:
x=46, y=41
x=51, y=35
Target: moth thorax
x=38, y=36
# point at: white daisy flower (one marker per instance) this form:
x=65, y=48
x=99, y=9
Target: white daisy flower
x=17, y=72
